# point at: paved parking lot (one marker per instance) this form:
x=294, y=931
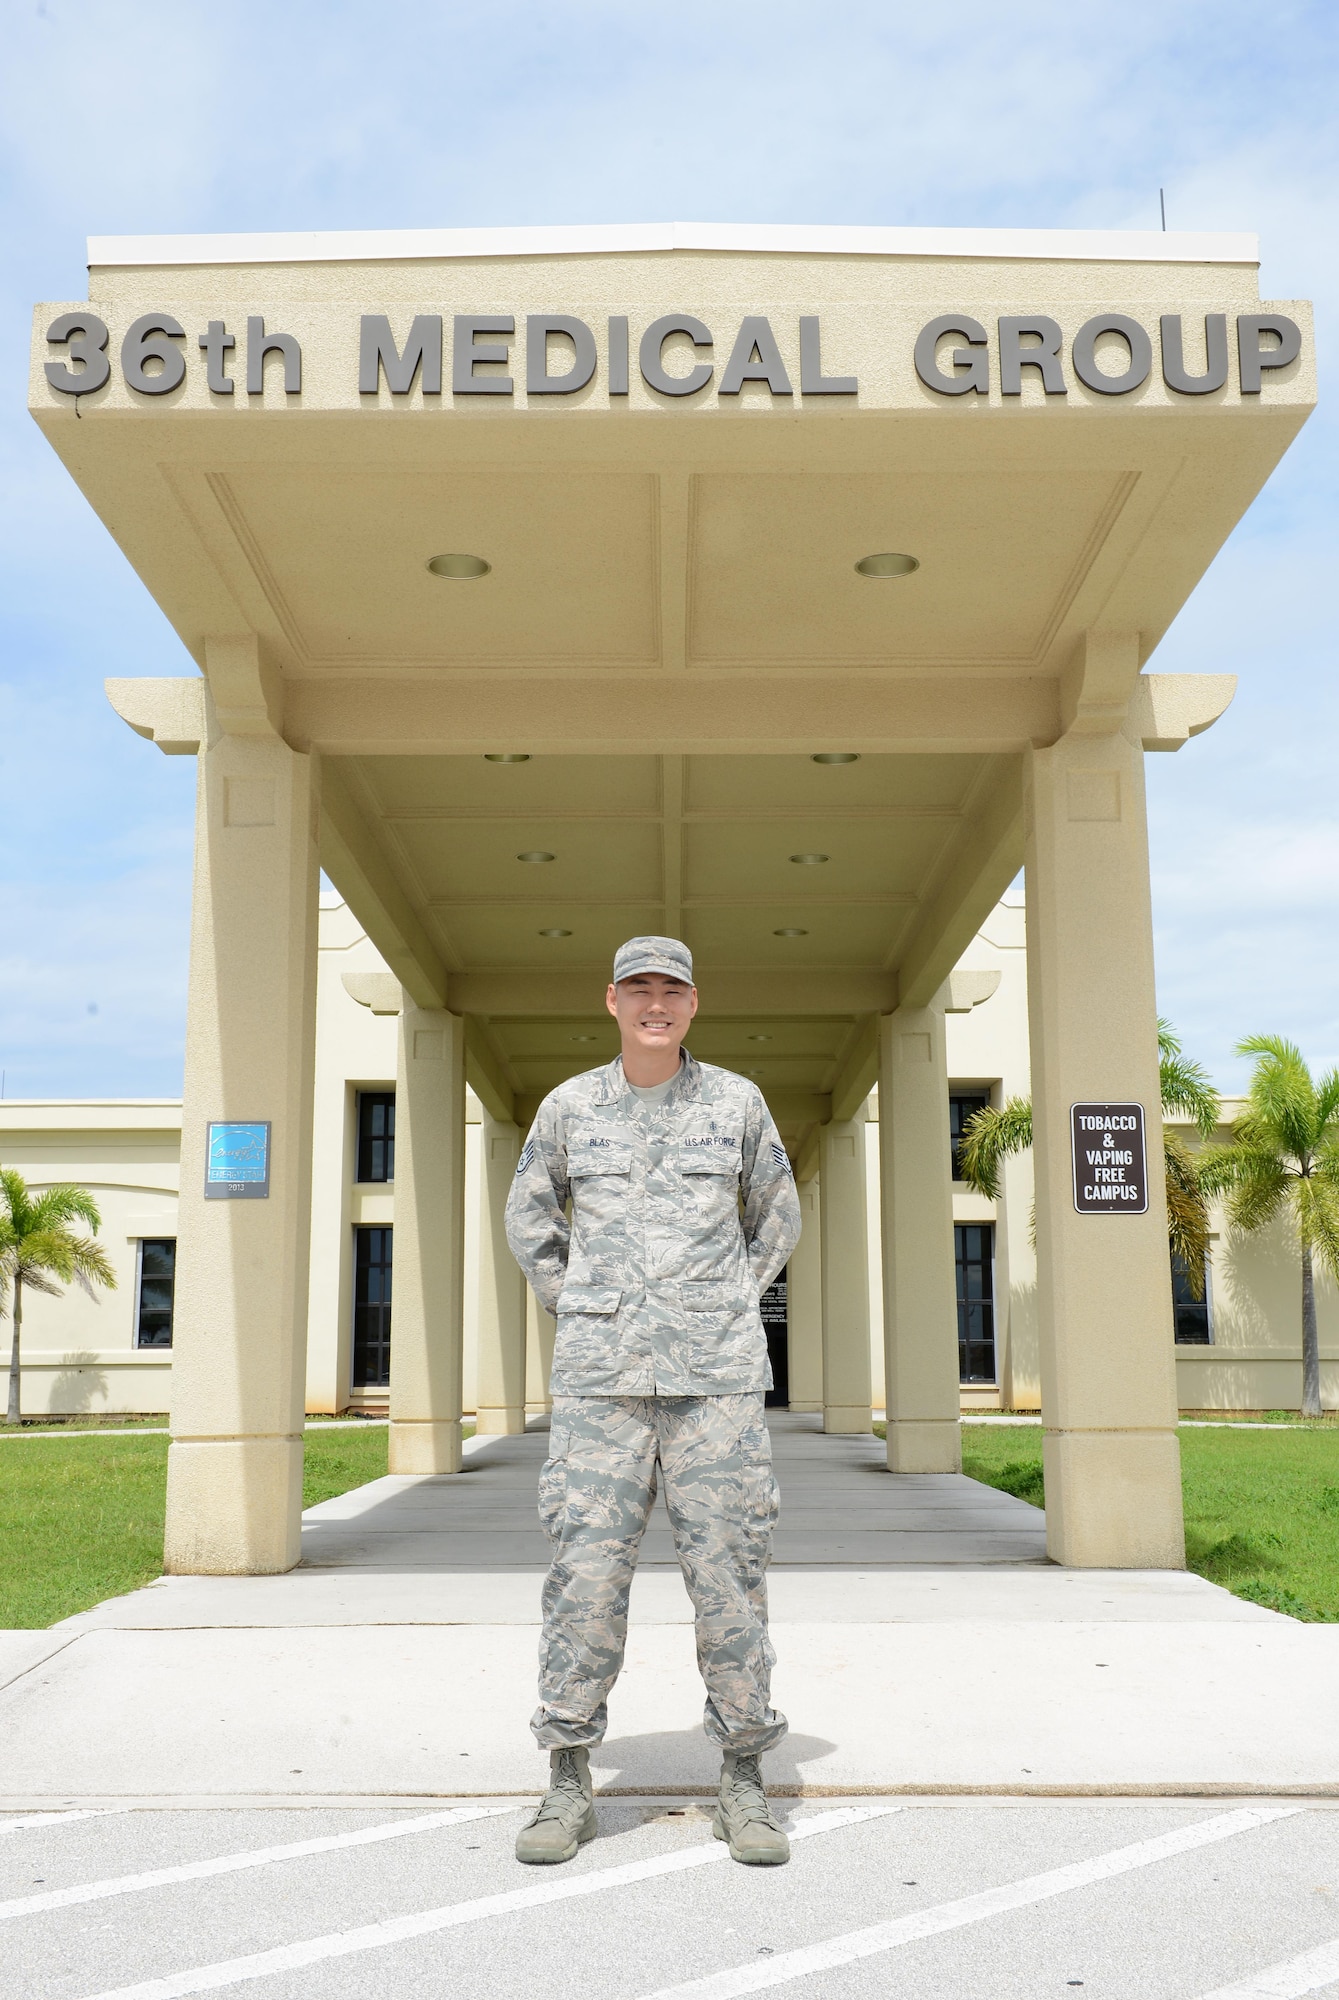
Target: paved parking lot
x=1121, y=1900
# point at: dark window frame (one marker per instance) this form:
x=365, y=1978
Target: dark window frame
x=155, y=1308
x=374, y=1138
x=982, y=1307
x=373, y=1284
x=979, y=1100
x=1192, y=1319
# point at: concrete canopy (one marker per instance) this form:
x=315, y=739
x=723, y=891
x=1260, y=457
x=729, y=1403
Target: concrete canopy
x=672, y=627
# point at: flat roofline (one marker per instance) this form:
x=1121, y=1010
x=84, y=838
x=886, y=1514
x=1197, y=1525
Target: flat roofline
x=359, y=246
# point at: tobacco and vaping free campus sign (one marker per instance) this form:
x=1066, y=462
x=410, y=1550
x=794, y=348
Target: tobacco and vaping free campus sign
x=1110, y=1159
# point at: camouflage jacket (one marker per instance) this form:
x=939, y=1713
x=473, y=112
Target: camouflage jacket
x=656, y=1278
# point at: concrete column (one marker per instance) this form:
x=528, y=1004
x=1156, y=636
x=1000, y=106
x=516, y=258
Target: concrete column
x=804, y=1304
x=843, y=1230
x=234, y=1483
x=920, y=1313
x=1108, y=1382
x=428, y=1302
x=502, y=1289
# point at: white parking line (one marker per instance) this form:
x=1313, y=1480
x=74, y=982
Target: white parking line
x=1288, y=1981
x=52, y=1818
x=398, y=1930
x=754, y=1977
x=229, y=1864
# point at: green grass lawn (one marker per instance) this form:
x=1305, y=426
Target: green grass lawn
x=1262, y=1507
x=82, y=1519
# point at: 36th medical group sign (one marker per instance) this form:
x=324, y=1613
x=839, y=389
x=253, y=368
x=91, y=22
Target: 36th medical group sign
x=1110, y=1159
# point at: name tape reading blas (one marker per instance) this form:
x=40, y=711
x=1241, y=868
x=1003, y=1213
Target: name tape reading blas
x=1110, y=1159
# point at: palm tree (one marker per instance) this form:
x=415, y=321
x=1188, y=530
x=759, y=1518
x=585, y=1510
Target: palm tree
x=39, y=1249
x=1283, y=1159
x=995, y=1133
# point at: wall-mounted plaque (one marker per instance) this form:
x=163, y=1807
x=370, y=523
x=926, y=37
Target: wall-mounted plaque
x=237, y=1160
x=1110, y=1159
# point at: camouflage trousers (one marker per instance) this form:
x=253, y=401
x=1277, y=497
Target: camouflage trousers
x=595, y=1495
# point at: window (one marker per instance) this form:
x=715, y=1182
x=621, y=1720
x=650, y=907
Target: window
x=376, y=1135
x=960, y=1111
x=372, y=1308
x=155, y=1283
x=974, y=1256
x=1191, y=1317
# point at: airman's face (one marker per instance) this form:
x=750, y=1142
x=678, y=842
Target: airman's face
x=652, y=1011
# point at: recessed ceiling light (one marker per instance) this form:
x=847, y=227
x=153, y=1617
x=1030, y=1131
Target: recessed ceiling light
x=534, y=854
x=555, y=933
x=835, y=757
x=459, y=569
x=886, y=566
x=760, y=1038
x=506, y=756
x=790, y=931
x=808, y=860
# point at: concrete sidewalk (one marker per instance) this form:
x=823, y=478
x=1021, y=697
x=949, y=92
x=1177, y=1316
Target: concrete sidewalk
x=924, y=1645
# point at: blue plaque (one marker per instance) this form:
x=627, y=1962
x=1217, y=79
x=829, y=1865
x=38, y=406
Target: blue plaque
x=237, y=1164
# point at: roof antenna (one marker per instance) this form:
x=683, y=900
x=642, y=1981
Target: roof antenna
x=1162, y=204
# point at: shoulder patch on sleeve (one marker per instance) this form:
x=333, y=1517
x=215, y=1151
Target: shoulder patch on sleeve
x=780, y=1157
x=527, y=1155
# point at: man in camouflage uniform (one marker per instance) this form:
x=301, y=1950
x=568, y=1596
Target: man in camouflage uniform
x=683, y=1210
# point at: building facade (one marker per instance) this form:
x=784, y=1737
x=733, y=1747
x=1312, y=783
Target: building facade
x=783, y=589
x=1237, y=1349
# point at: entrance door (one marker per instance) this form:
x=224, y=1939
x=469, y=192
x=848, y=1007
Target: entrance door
x=372, y=1308
x=773, y=1307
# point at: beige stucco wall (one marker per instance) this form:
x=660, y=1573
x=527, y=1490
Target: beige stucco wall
x=79, y=1353
x=1255, y=1289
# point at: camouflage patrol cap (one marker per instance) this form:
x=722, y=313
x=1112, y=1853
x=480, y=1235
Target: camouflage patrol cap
x=654, y=954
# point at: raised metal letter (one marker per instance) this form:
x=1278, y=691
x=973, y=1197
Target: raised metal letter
x=377, y=351
x=258, y=345
x=1083, y=354
x=465, y=352
x=1252, y=358
x=813, y=382
x=538, y=381
x=1045, y=356
x=653, y=340
x=618, y=356
x=755, y=337
x=148, y=339
x=85, y=337
x=971, y=371
x=217, y=342
x=1174, y=360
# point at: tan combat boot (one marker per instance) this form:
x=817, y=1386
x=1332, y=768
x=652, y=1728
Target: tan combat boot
x=567, y=1816
x=743, y=1816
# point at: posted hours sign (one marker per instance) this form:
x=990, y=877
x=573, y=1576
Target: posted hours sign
x=1110, y=1159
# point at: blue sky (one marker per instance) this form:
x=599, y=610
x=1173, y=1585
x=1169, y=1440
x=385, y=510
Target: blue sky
x=120, y=119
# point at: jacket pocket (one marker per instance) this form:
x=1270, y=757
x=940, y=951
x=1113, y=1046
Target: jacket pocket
x=594, y=1155
x=577, y=1298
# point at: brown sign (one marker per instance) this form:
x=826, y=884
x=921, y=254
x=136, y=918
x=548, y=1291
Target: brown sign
x=1110, y=1159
